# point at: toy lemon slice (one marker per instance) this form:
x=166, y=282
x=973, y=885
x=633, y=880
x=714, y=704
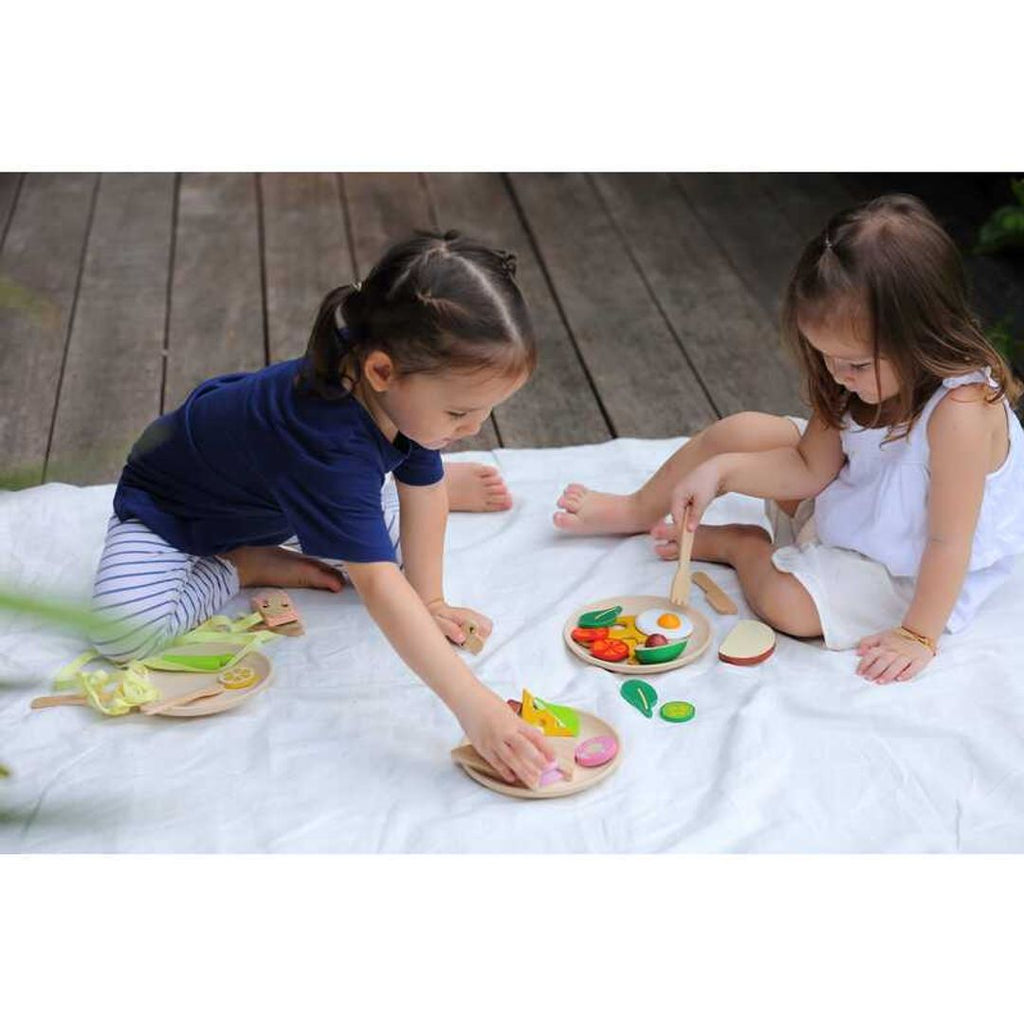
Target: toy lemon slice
x=237, y=678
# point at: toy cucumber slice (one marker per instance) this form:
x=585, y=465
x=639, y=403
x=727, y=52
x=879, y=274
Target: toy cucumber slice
x=677, y=711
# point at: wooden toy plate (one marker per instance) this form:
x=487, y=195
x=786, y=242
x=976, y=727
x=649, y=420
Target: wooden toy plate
x=583, y=778
x=170, y=684
x=698, y=643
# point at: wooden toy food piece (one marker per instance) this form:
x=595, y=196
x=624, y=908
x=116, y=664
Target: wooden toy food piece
x=563, y=764
x=277, y=611
x=599, y=617
x=552, y=719
x=677, y=711
x=748, y=643
x=717, y=597
x=584, y=635
x=596, y=751
x=610, y=650
x=659, y=654
x=237, y=678
x=474, y=642
x=641, y=695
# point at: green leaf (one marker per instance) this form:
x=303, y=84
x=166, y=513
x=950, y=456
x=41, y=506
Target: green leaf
x=1003, y=230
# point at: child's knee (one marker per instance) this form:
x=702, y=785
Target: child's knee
x=133, y=643
x=749, y=431
x=786, y=606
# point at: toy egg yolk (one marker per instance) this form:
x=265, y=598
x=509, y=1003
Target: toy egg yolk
x=669, y=621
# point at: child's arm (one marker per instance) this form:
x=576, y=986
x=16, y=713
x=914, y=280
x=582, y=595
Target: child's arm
x=788, y=473
x=424, y=514
x=958, y=435
x=512, y=746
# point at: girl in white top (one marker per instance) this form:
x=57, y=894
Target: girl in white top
x=899, y=507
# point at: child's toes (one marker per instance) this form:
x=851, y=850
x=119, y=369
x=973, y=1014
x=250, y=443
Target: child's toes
x=669, y=550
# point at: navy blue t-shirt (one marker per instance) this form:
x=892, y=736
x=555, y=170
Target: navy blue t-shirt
x=248, y=459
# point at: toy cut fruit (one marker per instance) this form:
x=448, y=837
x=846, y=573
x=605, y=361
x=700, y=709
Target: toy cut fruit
x=748, y=643
x=610, y=650
x=659, y=655
x=237, y=678
x=587, y=635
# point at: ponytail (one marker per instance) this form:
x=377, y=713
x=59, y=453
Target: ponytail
x=322, y=372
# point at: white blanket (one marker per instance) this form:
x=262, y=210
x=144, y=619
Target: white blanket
x=348, y=752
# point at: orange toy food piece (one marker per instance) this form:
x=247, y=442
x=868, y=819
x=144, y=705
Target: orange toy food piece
x=610, y=649
x=585, y=635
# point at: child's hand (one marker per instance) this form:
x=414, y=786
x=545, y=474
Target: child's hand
x=515, y=749
x=696, y=490
x=890, y=657
x=453, y=621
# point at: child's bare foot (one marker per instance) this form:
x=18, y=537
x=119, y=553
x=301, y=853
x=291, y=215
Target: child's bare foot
x=588, y=511
x=474, y=487
x=279, y=567
x=710, y=543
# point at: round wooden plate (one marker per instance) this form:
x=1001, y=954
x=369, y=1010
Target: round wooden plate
x=583, y=778
x=698, y=643
x=170, y=684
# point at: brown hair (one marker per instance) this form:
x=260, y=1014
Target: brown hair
x=890, y=261
x=433, y=303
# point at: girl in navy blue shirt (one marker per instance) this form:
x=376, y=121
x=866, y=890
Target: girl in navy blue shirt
x=414, y=358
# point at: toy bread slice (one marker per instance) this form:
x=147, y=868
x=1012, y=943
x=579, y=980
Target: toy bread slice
x=467, y=755
x=748, y=643
x=565, y=759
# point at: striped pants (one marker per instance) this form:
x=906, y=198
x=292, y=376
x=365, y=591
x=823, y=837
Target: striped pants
x=149, y=592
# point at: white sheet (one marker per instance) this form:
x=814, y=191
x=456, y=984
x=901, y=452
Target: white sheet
x=348, y=752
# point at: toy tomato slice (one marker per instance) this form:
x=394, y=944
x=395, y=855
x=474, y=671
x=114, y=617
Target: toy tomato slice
x=610, y=650
x=583, y=635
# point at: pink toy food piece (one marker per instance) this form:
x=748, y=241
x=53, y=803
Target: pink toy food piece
x=596, y=751
x=550, y=774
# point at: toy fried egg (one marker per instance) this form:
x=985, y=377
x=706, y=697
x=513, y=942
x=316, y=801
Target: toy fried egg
x=671, y=625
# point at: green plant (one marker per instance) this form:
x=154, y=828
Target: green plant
x=1005, y=228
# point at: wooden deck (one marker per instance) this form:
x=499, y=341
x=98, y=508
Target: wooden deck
x=654, y=295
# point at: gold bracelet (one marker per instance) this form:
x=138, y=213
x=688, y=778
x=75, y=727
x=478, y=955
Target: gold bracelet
x=911, y=634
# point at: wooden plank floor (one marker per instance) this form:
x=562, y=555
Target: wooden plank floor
x=655, y=296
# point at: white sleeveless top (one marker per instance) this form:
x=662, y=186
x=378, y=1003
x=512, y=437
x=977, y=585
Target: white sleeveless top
x=878, y=504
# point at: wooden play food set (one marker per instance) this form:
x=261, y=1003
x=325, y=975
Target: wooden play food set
x=587, y=750
x=622, y=633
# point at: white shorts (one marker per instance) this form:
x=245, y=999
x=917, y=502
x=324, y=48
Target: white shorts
x=855, y=596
